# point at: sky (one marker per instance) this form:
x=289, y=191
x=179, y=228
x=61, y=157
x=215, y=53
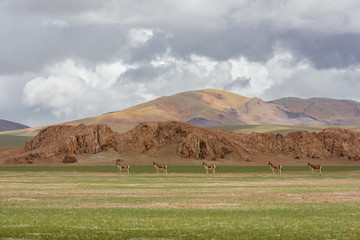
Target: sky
x=63, y=60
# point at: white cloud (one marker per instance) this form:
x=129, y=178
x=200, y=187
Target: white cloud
x=103, y=76
x=206, y=63
x=139, y=37
x=73, y=90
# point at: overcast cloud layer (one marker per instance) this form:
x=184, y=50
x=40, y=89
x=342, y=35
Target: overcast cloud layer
x=64, y=60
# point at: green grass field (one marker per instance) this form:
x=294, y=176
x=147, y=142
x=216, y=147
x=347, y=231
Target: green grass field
x=9, y=141
x=235, y=203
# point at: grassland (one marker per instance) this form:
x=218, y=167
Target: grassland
x=236, y=203
x=9, y=142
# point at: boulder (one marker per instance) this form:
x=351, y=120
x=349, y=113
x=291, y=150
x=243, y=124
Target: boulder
x=70, y=159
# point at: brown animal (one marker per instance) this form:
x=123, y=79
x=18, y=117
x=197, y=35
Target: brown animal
x=275, y=167
x=312, y=167
x=209, y=167
x=120, y=167
x=159, y=167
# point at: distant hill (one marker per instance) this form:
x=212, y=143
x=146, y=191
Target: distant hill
x=212, y=107
x=9, y=126
x=325, y=110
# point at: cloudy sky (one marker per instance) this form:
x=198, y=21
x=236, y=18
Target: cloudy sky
x=63, y=59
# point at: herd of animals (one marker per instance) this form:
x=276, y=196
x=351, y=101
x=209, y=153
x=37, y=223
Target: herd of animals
x=211, y=167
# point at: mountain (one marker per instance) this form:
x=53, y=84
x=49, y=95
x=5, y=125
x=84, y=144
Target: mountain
x=208, y=107
x=325, y=110
x=8, y=126
x=212, y=107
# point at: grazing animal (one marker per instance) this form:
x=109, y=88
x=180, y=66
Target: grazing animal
x=275, y=167
x=312, y=167
x=120, y=167
x=209, y=167
x=159, y=167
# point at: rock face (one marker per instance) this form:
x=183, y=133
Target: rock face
x=79, y=139
x=331, y=141
x=63, y=141
x=201, y=143
x=193, y=142
x=60, y=141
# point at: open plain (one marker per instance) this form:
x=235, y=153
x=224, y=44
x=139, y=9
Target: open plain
x=96, y=202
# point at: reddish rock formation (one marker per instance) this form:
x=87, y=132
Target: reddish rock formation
x=200, y=143
x=331, y=141
x=60, y=141
x=79, y=139
x=191, y=141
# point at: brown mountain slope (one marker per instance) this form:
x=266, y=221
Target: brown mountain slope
x=57, y=143
x=208, y=107
x=329, y=111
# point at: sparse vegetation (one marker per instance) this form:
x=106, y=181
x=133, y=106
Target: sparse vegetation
x=235, y=203
x=8, y=141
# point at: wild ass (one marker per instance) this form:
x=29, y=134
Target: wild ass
x=120, y=167
x=209, y=167
x=312, y=167
x=159, y=167
x=275, y=167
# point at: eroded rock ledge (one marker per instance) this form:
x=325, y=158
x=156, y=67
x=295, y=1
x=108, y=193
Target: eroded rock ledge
x=59, y=141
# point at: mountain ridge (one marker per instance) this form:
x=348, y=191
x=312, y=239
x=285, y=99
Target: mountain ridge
x=213, y=107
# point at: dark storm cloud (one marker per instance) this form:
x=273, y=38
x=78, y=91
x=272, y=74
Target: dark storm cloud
x=254, y=43
x=33, y=35
x=324, y=50
x=28, y=44
x=53, y=8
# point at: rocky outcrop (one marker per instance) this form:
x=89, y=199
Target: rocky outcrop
x=337, y=142
x=60, y=141
x=193, y=142
x=201, y=143
x=63, y=141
